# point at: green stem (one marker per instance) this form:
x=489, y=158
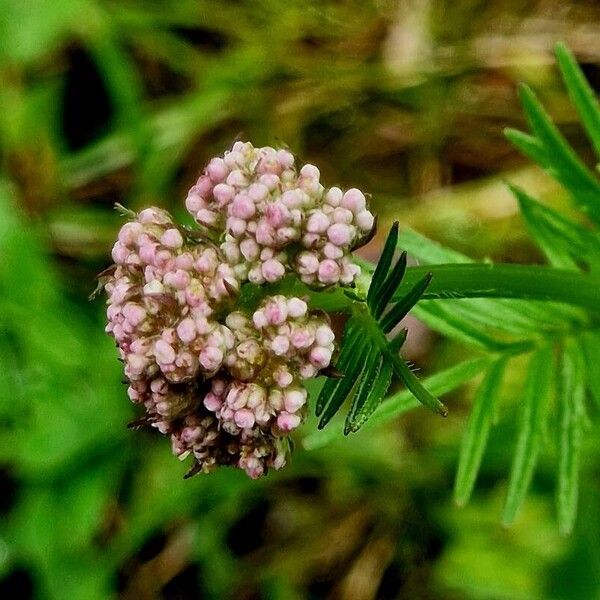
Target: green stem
x=484, y=280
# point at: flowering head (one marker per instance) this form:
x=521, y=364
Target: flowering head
x=223, y=379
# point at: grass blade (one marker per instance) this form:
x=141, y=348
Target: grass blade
x=476, y=435
x=581, y=94
x=571, y=420
x=535, y=397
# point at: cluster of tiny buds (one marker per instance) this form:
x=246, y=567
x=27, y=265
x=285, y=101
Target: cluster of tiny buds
x=279, y=219
x=226, y=383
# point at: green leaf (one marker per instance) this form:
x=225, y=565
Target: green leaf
x=383, y=266
x=534, y=400
x=391, y=284
x=354, y=372
x=509, y=315
x=563, y=241
x=419, y=391
x=580, y=93
x=528, y=145
x=571, y=394
x=563, y=162
x=369, y=378
x=397, y=404
x=374, y=399
x=401, y=308
x=476, y=435
x=441, y=317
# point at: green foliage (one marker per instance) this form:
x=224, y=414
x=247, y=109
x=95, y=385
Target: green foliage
x=506, y=311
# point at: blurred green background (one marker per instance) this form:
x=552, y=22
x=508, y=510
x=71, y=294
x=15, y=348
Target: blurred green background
x=125, y=101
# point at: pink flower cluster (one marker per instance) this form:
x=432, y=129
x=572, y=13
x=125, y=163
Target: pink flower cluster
x=225, y=383
x=278, y=219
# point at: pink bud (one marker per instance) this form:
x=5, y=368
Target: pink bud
x=283, y=377
x=250, y=249
x=237, y=179
x=320, y=357
x=332, y=251
x=236, y=226
x=120, y=253
x=154, y=216
x=129, y=233
x=307, y=263
x=211, y=358
x=252, y=466
x=277, y=214
x=148, y=253
x=329, y=271
x=234, y=159
x=207, y=217
x=217, y=170
x=292, y=198
x=365, y=220
x=194, y=201
x=223, y=194
x=307, y=371
x=207, y=262
x=273, y=270
x=318, y=222
x=310, y=172
x=340, y=234
x=342, y=215
x=164, y=353
x=324, y=335
x=354, y=200
x=275, y=310
x=244, y=418
x=265, y=234
x=280, y=345
x=134, y=313
x=296, y=308
x=260, y=319
x=178, y=279
x=333, y=197
x=294, y=399
x=212, y=402
x=287, y=422
x=302, y=337
x=184, y=261
x=186, y=330
x=258, y=192
x=242, y=207
x=203, y=186
x=270, y=181
x=285, y=158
